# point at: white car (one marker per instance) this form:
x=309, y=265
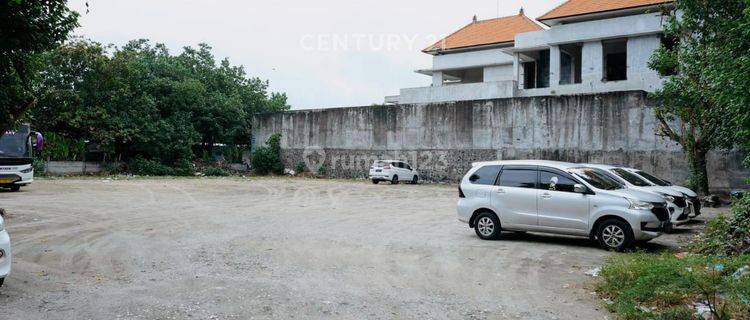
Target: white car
x=394, y=171
x=694, y=202
x=5, y=255
x=677, y=203
x=560, y=198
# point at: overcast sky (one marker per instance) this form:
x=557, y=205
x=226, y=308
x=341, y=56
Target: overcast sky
x=323, y=53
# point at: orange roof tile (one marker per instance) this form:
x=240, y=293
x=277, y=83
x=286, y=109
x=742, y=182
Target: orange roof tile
x=579, y=7
x=486, y=32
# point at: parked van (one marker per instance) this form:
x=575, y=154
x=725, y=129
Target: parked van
x=394, y=171
x=559, y=198
x=4, y=252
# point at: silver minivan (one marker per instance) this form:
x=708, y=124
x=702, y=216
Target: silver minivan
x=559, y=198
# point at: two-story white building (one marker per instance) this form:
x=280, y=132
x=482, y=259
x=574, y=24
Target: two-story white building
x=582, y=46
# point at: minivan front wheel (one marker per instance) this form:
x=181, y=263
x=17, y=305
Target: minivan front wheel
x=615, y=235
x=487, y=226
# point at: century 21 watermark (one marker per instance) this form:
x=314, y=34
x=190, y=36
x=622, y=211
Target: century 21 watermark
x=366, y=42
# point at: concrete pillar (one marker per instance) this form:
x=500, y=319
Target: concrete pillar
x=554, y=67
x=592, y=64
x=437, y=78
x=517, y=71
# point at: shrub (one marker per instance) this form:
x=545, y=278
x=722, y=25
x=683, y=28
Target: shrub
x=323, y=171
x=40, y=167
x=267, y=159
x=300, y=168
x=145, y=167
x=216, y=172
x=727, y=235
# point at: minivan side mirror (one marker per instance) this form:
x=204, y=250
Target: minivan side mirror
x=579, y=188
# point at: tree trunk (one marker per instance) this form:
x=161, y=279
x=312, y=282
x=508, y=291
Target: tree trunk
x=698, y=170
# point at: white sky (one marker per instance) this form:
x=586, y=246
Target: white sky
x=322, y=53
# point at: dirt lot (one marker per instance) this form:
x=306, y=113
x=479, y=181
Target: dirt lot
x=279, y=248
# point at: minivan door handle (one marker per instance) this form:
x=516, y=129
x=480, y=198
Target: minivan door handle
x=546, y=196
x=500, y=190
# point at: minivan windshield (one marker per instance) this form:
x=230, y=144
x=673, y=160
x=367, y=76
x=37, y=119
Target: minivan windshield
x=655, y=180
x=597, y=178
x=631, y=178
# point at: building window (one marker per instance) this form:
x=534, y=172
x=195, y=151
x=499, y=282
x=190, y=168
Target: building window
x=474, y=75
x=570, y=63
x=615, y=53
x=535, y=69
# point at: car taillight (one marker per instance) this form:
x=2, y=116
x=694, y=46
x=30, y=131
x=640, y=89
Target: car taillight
x=461, y=193
x=387, y=167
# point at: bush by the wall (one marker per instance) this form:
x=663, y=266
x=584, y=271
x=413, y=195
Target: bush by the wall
x=216, y=172
x=145, y=167
x=267, y=159
x=727, y=235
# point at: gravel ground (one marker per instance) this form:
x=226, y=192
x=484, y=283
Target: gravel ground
x=280, y=249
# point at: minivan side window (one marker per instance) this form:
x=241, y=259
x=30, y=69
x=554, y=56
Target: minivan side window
x=518, y=178
x=555, y=181
x=486, y=175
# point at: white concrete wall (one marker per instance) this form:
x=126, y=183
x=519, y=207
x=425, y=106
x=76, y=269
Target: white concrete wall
x=498, y=73
x=471, y=59
x=623, y=27
x=640, y=76
x=458, y=92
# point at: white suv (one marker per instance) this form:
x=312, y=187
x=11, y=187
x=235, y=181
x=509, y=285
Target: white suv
x=393, y=171
x=4, y=252
x=677, y=202
x=694, y=202
x=560, y=198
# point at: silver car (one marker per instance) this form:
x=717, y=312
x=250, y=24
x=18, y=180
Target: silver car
x=560, y=198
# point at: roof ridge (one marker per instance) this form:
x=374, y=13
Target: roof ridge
x=432, y=47
x=553, y=9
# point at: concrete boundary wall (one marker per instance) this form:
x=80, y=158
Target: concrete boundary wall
x=442, y=140
x=64, y=168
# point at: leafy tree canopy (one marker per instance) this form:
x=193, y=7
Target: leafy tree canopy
x=140, y=100
x=706, y=100
x=27, y=29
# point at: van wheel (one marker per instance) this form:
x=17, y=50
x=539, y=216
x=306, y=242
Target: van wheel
x=375, y=181
x=615, y=235
x=15, y=188
x=394, y=180
x=415, y=180
x=1, y=281
x=487, y=226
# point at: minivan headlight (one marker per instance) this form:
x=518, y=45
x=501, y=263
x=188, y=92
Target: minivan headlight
x=27, y=170
x=640, y=205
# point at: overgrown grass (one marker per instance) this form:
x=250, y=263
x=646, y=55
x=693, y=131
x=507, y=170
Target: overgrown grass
x=665, y=286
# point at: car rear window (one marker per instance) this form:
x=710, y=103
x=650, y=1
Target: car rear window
x=487, y=175
x=518, y=178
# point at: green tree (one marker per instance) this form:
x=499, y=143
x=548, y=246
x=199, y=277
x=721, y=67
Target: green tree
x=140, y=101
x=27, y=29
x=704, y=103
